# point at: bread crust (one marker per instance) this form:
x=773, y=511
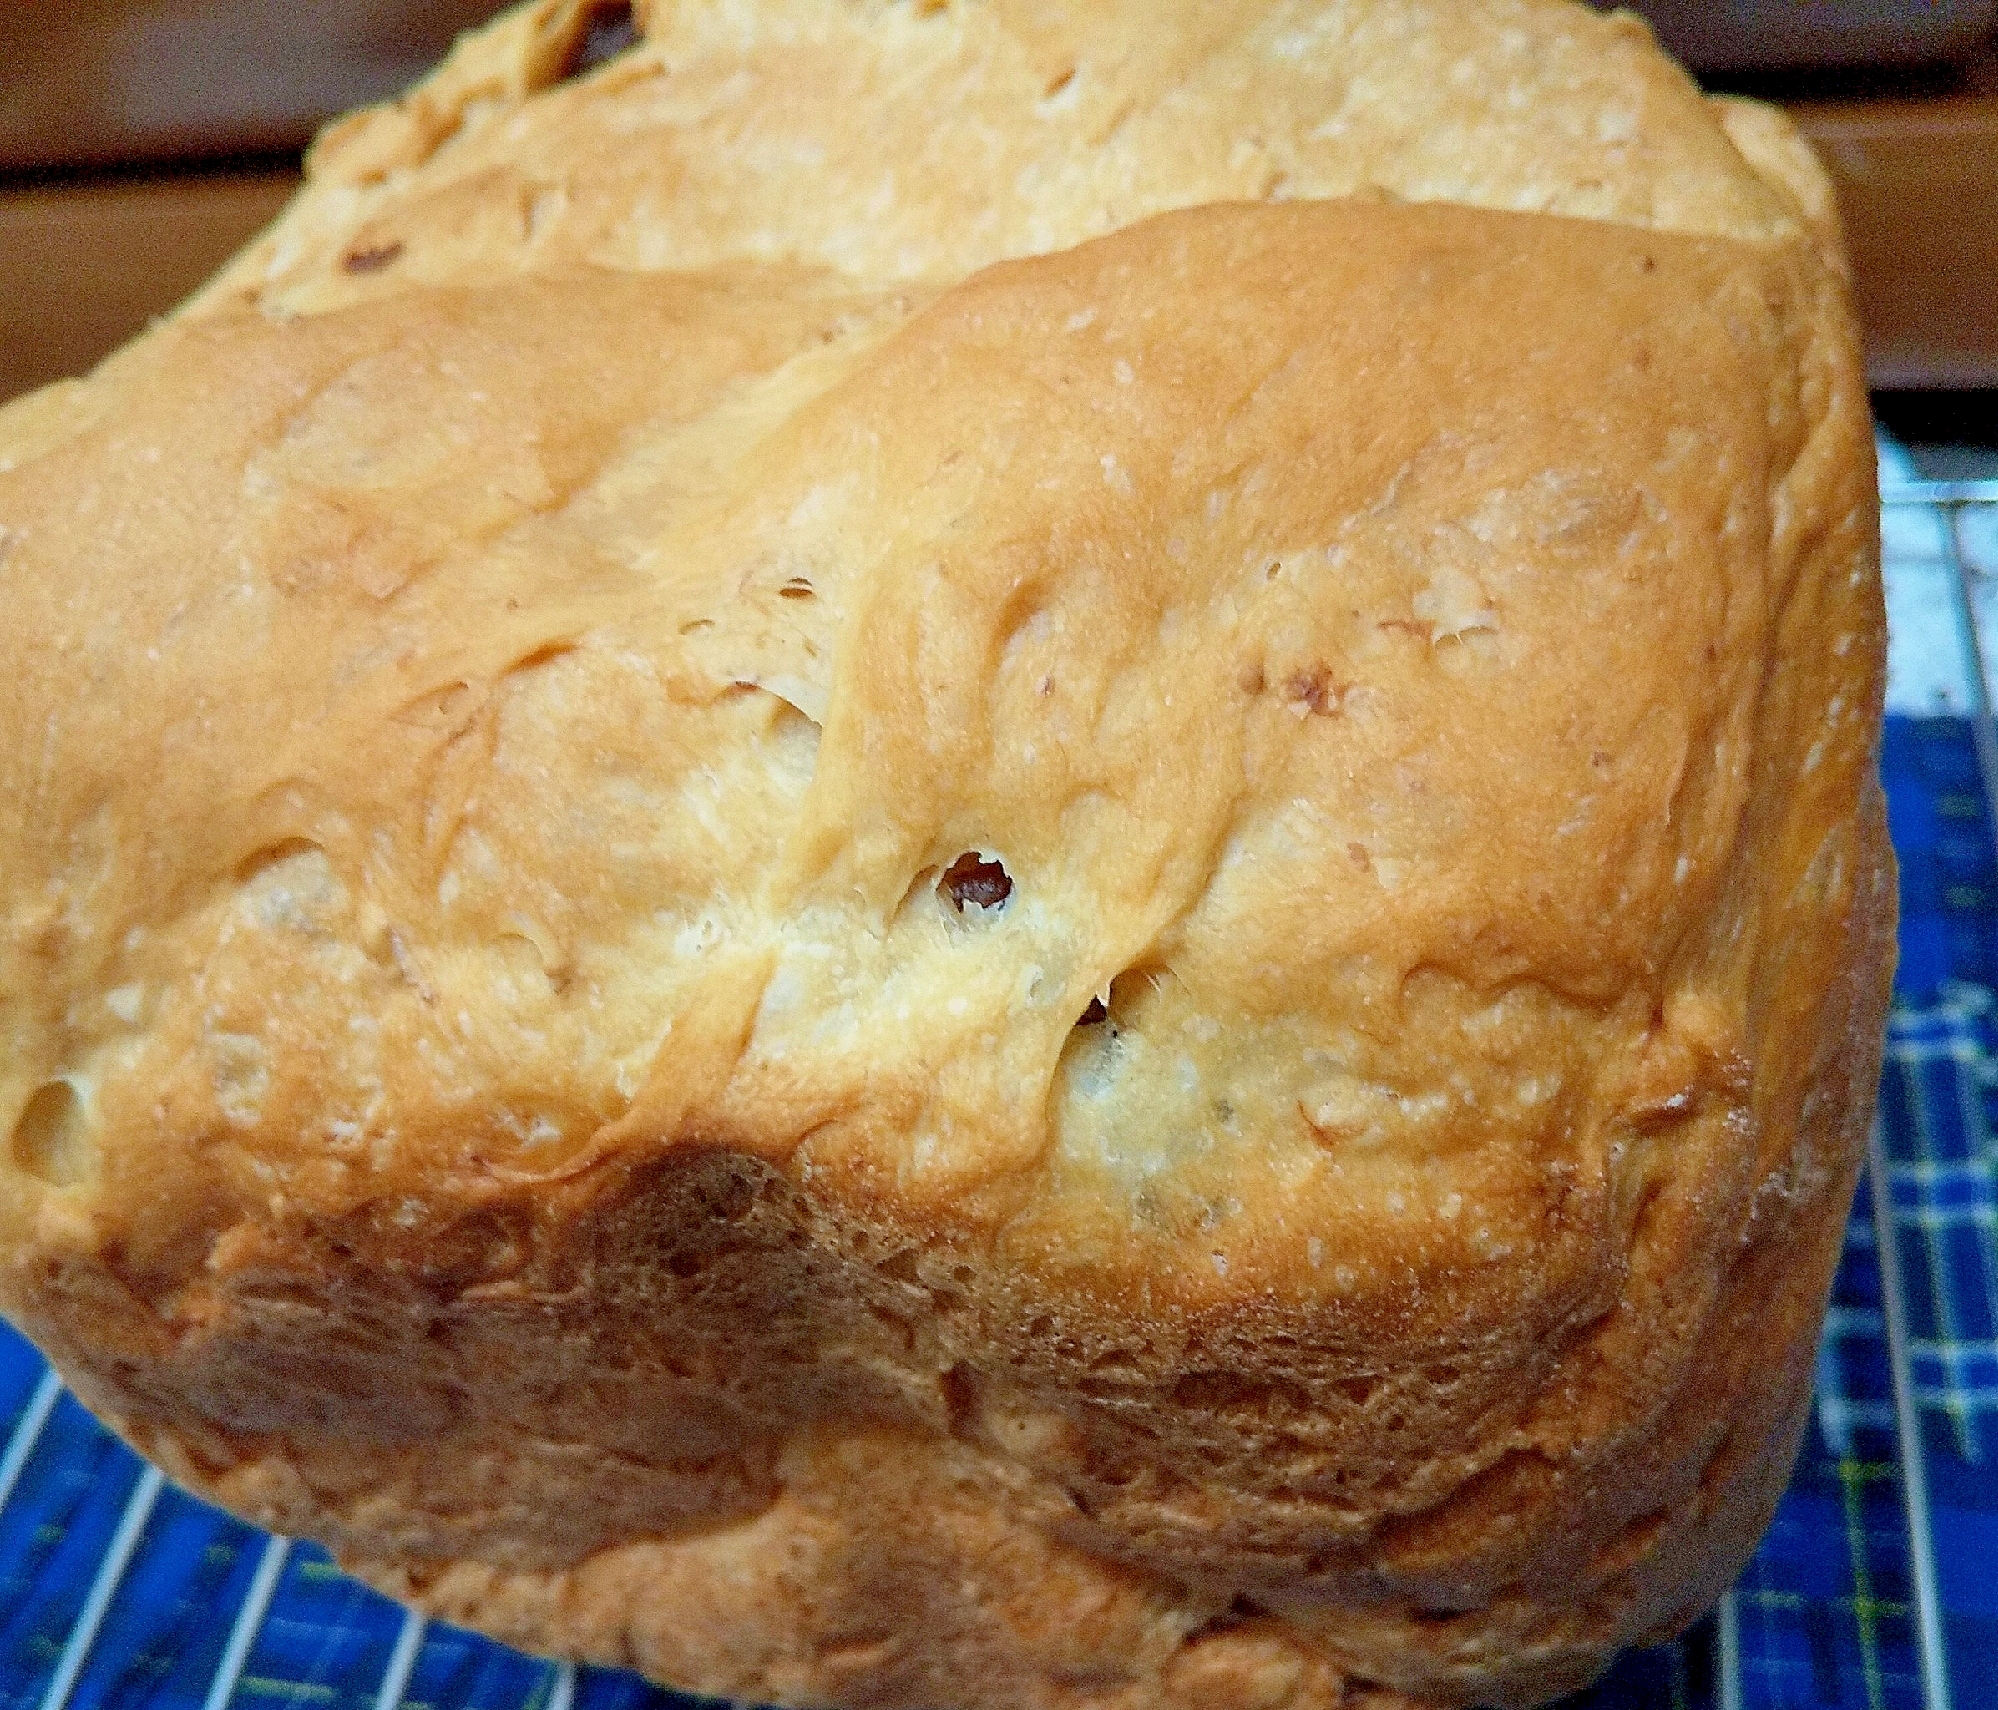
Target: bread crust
x=504, y=1071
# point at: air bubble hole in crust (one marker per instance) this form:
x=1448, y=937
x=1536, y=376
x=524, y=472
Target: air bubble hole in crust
x=372, y=258
x=51, y=1137
x=611, y=29
x=974, y=882
x=273, y=853
x=1127, y=990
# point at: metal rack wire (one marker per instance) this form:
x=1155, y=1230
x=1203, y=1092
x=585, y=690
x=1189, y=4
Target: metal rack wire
x=1946, y=508
x=119, y=1592
x=1950, y=504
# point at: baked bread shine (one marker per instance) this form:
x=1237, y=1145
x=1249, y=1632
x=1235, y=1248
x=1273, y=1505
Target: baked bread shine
x=969, y=854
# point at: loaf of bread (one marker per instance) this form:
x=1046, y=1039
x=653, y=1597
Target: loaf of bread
x=969, y=854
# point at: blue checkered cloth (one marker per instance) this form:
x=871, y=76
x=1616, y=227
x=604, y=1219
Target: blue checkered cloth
x=119, y=1592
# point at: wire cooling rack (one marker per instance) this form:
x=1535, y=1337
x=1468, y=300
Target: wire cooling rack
x=1875, y=1589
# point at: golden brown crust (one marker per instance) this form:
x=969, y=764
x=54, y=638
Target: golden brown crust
x=519, y=1058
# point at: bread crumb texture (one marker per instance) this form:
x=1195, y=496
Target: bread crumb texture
x=969, y=854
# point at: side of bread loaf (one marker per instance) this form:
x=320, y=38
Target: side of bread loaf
x=923, y=855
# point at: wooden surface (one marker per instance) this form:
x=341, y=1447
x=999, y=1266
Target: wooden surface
x=1918, y=187
x=83, y=267
x=111, y=82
